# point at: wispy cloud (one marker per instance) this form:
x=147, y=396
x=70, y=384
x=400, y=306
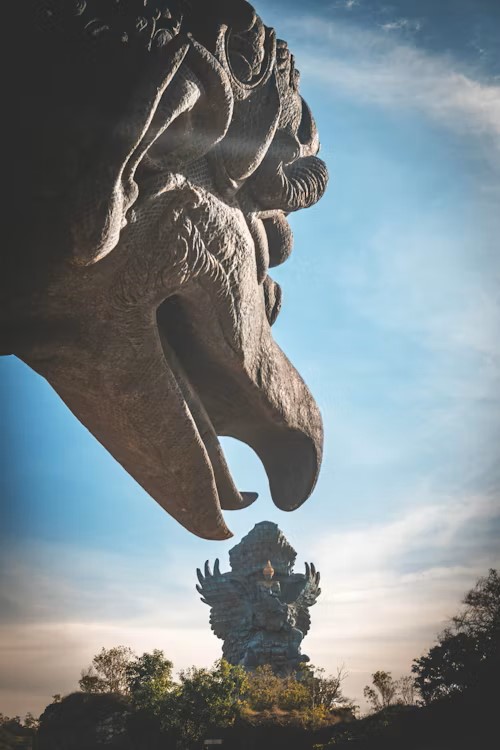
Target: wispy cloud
x=375, y=67
x=420, y=282
x=345, y=4
x=421, y=278
x=41, y=659
x=402, y=24
x=380, y=606
x=61, y=605
x=390, y=587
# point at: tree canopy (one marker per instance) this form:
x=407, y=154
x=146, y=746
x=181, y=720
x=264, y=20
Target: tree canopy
x=204, y=699
x=467, y=654
x=385, y=691
x=149, y=679
x=108, y=671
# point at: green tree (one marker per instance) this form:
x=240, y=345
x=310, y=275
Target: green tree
x=31, y=722
x=266, y=691
x=90, y=682
x=263, y=688
x=108, y=671
x=15, y=734
x=480, y=617
x=149, y=679
x=205, y=699
x=467, y=654
x=325, y=690
x=310, y=689
x=294, y=695
x=382, y=692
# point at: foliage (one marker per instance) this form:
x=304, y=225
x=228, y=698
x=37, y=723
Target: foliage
x=481, y=615
x=205, y=699
x=406, y=691
x=382, y=692
x=31, y=722
x=85, y=721
x=376, y=731
x=16, y=734
x=263, y=689
x=310, y=690
x=386, y=691
x=149, y=679
x=294, y=695
x=325, y=691
x=145, y=679
x=448, y=667
x=467, y=654
x=108, y=672
x=209, y=698
x=308, y=718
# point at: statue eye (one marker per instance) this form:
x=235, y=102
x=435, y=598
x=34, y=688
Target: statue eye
x=248, y=53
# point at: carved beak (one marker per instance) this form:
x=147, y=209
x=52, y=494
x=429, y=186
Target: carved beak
x=119, y=384
x=156, y=395
x=248, y=390
x=267, y=406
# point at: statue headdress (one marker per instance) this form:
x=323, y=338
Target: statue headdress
x=263, y=543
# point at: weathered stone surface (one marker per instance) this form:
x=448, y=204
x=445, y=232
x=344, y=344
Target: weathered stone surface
x=154, y=151
x=260, y=609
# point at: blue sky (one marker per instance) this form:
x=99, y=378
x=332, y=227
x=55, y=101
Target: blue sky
x=391, y=314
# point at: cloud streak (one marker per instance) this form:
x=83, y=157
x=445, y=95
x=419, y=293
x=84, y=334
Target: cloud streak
x=422, y=279
x=62, y=604
x=380, y=606
x=375, y=68
x=390, y=587
x=402, y=24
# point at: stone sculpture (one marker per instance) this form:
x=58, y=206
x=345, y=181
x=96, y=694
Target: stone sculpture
x=261, y=608
x=154, y=150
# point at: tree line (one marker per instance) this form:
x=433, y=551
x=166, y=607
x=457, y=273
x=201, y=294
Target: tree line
x=465, y=660
x=205, y=698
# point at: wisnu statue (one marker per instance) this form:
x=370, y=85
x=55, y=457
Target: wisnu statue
x=260, y=609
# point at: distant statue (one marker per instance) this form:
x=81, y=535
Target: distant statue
x=261, y=608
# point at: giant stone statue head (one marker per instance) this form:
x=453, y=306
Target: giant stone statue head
x=154, y=152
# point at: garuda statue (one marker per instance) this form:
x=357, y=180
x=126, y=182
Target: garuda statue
x=154, y=149
x=261, y=608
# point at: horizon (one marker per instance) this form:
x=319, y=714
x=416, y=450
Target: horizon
x=390, y=313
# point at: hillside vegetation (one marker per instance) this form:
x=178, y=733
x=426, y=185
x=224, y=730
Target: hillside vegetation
x=131, y=702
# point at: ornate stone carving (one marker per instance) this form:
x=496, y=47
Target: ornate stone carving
x=154, y=150
x=261, y=608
